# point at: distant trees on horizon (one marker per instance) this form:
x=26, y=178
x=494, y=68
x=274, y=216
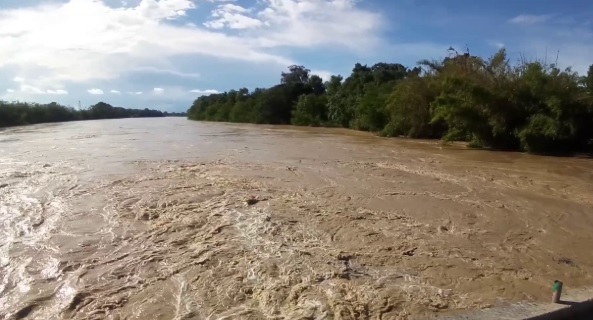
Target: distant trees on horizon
x=23, y=113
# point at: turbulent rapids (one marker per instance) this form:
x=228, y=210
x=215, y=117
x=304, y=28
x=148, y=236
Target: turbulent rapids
x=170, y=219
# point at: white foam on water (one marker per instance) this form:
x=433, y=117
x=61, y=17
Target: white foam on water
x=24, y=285
x=65, y=296
x=50, y=269
x=32, y=204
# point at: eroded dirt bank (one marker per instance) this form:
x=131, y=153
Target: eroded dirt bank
x=374, y=231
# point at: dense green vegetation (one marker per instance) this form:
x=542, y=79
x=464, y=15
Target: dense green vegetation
x=529, y=106
x=21, y=113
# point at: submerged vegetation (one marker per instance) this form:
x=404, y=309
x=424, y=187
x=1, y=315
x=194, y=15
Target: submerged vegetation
x=531, y=106
x=21, y=113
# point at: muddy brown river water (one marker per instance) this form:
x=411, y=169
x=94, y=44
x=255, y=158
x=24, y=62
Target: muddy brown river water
x=173, y=219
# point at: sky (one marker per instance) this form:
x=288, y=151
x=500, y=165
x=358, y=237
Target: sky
x=163, y=54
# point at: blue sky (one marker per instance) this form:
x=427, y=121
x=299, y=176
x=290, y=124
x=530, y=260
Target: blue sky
x=164, y=53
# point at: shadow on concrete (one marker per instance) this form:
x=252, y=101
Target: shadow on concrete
x=575, y=310
x=569, y=303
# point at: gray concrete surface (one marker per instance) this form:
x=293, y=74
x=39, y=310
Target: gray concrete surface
x=576, y=304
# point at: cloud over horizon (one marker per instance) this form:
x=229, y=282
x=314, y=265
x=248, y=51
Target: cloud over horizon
x=95, y=91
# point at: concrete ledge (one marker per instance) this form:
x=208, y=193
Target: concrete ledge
x=576, y=304
x=572, y=310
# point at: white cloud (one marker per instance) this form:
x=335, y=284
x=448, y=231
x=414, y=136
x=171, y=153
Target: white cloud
x=319, y=23
x=204, y=92
x=158, y=90
x=25, y=88
x=302, y=23
x=325, y=75
x=530, y=19
x=58, y=91
x=134, y=92
x=171, y=95
x=28, y=89
x=233, y=8
x=168, y=71
x=496, y=44
x=95, y=91
x=233, y=17
x=115, y=91
x=18, y=79
x=86, y=40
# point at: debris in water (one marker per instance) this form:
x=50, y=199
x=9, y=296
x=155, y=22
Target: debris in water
x=443, y=228
x=565, y=260
x=37, y=222
x=409, y=252
x=251, y=201
x=344, y=256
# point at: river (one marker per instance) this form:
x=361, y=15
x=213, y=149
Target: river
x=175, y=219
